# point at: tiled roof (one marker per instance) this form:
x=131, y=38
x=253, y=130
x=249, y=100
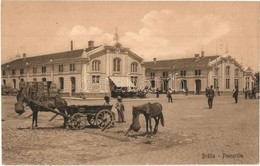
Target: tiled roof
x=201, y=62
x=21, y=62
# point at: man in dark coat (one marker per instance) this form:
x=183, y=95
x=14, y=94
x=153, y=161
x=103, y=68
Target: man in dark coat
x=235, y=94
x=210, y=95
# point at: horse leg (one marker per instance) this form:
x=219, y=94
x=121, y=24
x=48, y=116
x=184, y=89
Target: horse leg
x=65, y=119
x=150, y=123
x=156, y=119
x=147, y=121
x=33, y=119
x=36, y=118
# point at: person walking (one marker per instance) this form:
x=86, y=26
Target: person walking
x=120, y=109
x=246, y=93
x=169, y=95
x=210, y=95
x=235, y=94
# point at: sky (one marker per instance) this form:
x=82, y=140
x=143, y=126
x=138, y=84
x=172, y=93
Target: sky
x=154, y=29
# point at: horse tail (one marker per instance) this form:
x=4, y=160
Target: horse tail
x=162, y=119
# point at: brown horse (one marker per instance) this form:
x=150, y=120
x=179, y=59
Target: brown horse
x=37, y=104
x=149, y=110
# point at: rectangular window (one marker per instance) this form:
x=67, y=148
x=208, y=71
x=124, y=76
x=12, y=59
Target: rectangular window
x=4, y=72
x=183, y=73
x=22, y=71
x=197, y=72
x=13, y=72
x=227, y=83
x=43, y=69
x=72, y=67
x=34, y=70
x=60, y=68
x=165, y=74
x=95, y=79
x=152, y=74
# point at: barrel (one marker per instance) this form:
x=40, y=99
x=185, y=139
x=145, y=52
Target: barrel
x=19, y=108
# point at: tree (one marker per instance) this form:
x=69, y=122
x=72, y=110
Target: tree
x=257, y=80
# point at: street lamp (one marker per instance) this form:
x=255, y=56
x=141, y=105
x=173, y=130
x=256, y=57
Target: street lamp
x=27, y=72
x=52, y=69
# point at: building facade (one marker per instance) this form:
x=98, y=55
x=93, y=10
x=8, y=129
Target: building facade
x=198, y=73
x=96, y=70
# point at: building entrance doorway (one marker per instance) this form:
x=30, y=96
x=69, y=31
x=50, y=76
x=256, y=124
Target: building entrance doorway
x=73, y=84
x=197, y=86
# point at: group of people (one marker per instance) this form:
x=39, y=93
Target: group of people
x=119, y=107
x=251, y=94
x=210, y=94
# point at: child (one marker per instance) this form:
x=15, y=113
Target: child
x=120, y=109
x=107, y=100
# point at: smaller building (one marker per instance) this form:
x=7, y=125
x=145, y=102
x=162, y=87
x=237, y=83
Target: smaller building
x=199, y=72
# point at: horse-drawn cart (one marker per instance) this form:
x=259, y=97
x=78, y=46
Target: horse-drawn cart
x=96, y=115
x=75, y=116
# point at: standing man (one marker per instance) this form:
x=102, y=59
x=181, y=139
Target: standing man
x=235, y=94
x=120, y=109
x=169, y=95
x=22, y=85
x=210, y=95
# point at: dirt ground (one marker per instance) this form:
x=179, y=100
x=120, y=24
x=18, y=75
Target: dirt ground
x=193, y=134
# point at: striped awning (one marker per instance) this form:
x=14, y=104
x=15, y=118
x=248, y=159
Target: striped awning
x=122, y=81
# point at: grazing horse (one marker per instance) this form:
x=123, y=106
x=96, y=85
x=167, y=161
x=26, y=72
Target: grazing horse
x=149, y=110
x=37, y=104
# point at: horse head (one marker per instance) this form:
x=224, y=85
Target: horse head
x=135, y=121
x=21, y=99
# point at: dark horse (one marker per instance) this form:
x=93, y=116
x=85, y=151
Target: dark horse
x=149, y=110
x=37, y=104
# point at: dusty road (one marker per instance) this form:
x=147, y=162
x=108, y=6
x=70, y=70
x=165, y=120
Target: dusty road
x=193, y=134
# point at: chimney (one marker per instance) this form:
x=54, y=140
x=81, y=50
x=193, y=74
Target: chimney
x=154, y=60
x=71, y=45
x=197, y=56
x=90, y=44
x=202, y=53
x=24, y=55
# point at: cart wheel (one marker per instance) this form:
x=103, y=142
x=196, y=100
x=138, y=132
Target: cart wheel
x=78, y=121
x=103, y=118
x=91, y=120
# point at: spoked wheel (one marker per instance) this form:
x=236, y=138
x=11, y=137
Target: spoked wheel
x=91, y=120
x=78, y=121
x=103, y=118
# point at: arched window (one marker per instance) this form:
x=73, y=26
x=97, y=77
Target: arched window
x=228, y=70
x=61, y=81
x=116, y=64
x=134, y=67
x=96, y=65
x=4, y=82
x=236, y=72
x=216, y=71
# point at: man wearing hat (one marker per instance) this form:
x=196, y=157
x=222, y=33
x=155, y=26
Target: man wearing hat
x=120, y=109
